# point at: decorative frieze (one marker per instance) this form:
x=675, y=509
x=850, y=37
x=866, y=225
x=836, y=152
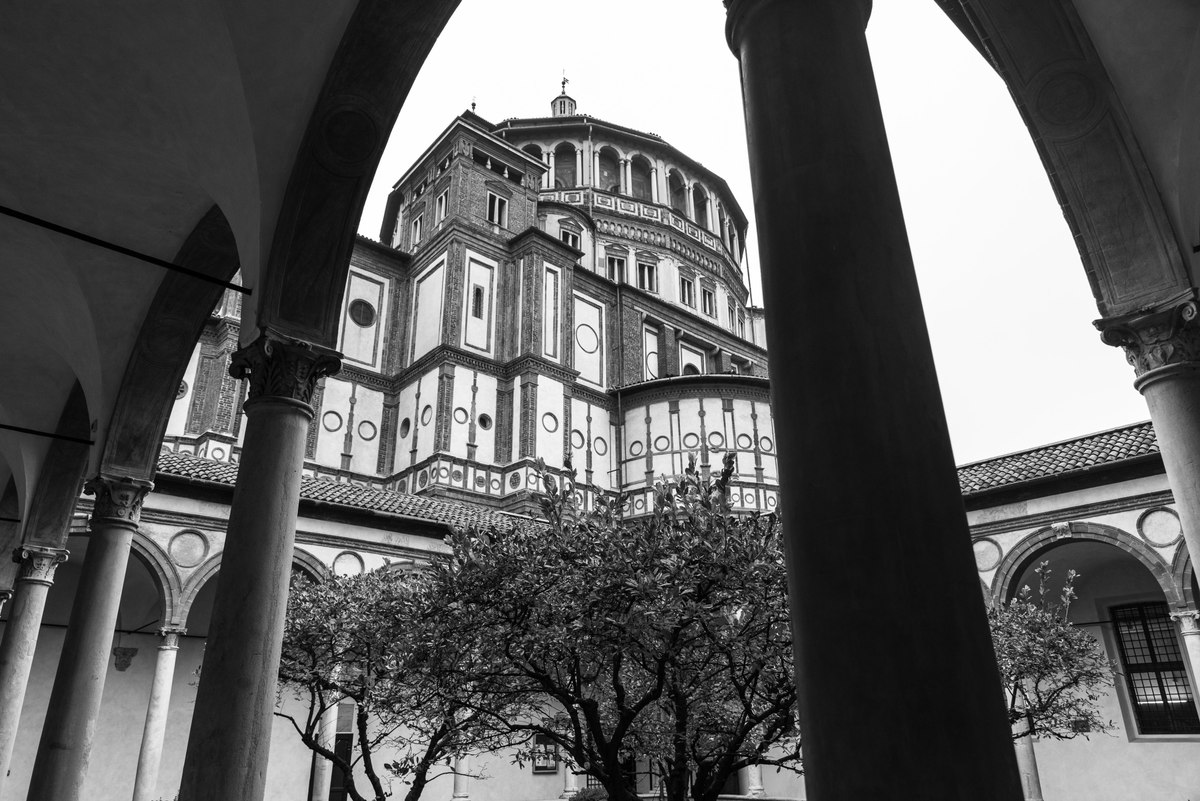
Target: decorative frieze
x=117, y=498
x=38, y=563
x=279, y=367
x=1156, y=339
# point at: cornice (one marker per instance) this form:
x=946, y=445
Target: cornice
x=1080, y=512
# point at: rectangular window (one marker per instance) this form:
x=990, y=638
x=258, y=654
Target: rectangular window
x=648, y=277
x=732, y=315
x=497, y=210
x=343, y=746
x=616, y=269
x=477, y=302
x=545, y=754
x=708, y=302
x=741, y=324
x=439, y=208
x=687, y=292
x=416, y=230
x=1154, y=672
x=570, y=237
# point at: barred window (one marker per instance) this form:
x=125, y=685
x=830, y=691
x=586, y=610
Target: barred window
x=1154, y=671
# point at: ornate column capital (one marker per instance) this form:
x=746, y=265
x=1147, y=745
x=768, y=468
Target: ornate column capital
x=170, y=636
x=5, y=597
x=1188, y=620
x=1157, y=338
x=117, y=498
x=38, y=563
x=281, y=368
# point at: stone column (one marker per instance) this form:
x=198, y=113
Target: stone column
x=857, y=405
x=654, y=184
x=579, y=166
x=462, y=779
x=61, y=765
x=231, y=728
x=550, y=180
x=570, y=781
x=155, y=729
x=751, y=781
x=323, y=768
x=689, y=201
x=1031, y=782
x=34, y=578
x=1163, y=347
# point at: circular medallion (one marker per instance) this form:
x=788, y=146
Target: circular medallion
x=460, y=415
x=495, y=485
x=772, y=502
x=405, y=427
x=456, y=476
x=716, y=440
x=661, y=443
x=423, y=479
x=347, y=563
x=586, y=338
x=402, y=486
x=443, y=472
x=577, y=439
x=367, y=430
x=514, y=480
x=485, y=421
x=765, y=444
x=1066, y=98
x=600, y=446
x=426, y=415
x=533, y=480
x=332, y=421
x=636, y=447
x=745, y=441
x=691, y=440
x=987, y=555
x=1160, y=527
x=549, y=422
x=480, y=481
x=218, y=453
x=188, y=548
x=183, y=388
x=362, y=313
x=640, y=504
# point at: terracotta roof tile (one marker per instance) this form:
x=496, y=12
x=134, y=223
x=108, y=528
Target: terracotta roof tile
x=1060, y=458
x=339, y=493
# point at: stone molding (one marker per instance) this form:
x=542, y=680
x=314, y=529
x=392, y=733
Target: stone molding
x=38, y=563
x=170, y=637
x=1156, y=339
x=117, y=498
x=279, y=367
x=1187, y=620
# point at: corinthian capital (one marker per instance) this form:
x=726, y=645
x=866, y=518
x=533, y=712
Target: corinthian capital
x=38, y=563
x=280, y=367
x=1158, y=338
x=117, y=498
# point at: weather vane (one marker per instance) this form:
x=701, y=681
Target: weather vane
x=565, y=81
x=472, y=105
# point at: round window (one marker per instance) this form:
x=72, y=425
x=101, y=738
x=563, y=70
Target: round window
x=485, y=421
x=362, y=313
x=405, y=427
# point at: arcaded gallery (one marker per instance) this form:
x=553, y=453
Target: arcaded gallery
x=211, y=380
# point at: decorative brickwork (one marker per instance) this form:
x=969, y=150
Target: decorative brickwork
x=504, y=421
x=529, y=386
x=386, y=462
x=314, y=425
x=445, y=407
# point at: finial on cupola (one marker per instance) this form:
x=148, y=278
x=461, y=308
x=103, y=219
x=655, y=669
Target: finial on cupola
x=564, y=104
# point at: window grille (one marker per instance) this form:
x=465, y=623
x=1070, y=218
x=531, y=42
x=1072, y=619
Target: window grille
x=1154, y=671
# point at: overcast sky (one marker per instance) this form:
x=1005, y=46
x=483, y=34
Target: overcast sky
x=1008, y=306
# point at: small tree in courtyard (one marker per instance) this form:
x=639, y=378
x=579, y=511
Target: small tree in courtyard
x=1053, y=673
x=664, y=640
x=359, y=639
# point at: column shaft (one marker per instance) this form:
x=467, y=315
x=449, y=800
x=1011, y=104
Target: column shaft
x=229, y=743
x=1031, y=781
x=570, y=780
x=34, y=579
x=64, y=750
x=153, y=733
x=752, y=782
x=462, y=781
x=323, y=768
x=858, y=410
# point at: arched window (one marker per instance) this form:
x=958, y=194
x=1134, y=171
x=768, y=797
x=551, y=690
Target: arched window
x=678, y=192
x=639, y=169
x=610, y=171
x=700, y=204
x=565, y=176
x=534, y=151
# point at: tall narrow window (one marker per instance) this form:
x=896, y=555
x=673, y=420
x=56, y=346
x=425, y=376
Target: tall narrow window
x=648, y=277
x=564, y=167
x=343, y=746
x=732, y=316
x=416, y=230
x=687, y=292
x=741, y=324
x=477, y=302
x=708, y=302
x=639, y=172
x=1154, y=670
x=497, y=210
x=616, y=269
x=439, y=212
x=570, y=237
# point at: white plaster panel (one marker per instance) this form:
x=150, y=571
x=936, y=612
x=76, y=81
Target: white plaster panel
x=650, y=360
x=368, y=427
x=480, y=280
x=428, y=300
x=406, y=410
x=177, y=422
x=332, y=421
x=550, y=416
x=363, y=345
x=589, y=340
x=460, y=413
x=552, y=308
x=485, y=404
x=425, y=417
